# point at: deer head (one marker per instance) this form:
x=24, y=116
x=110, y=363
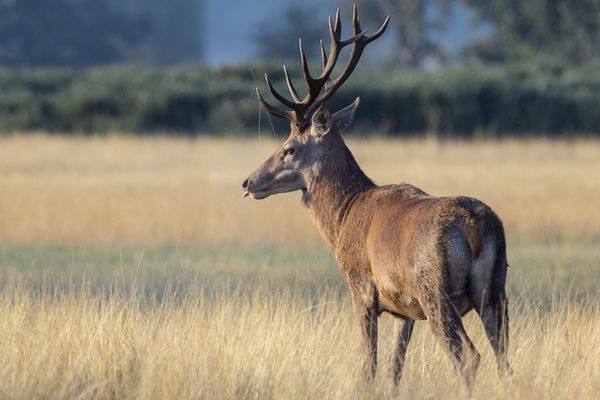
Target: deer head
x=314, y=131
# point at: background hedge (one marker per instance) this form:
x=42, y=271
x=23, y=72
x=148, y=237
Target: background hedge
x=464, y=101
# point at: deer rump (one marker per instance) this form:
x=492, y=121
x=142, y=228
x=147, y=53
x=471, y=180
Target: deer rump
x=450, y=246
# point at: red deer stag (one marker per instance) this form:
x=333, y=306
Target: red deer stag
x=401, y=250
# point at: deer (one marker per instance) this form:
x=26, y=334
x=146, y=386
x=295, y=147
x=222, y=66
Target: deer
x=401, y=250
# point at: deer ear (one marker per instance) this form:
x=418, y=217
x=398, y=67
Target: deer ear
x=343, y=118
x=321, y=122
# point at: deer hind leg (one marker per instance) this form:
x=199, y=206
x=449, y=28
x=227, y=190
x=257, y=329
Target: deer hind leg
x=448, y=329
x=488, y=298
x=495, y=321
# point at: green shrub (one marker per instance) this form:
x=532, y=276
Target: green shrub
x=465, y=101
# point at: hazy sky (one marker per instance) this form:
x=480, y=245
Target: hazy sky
x=231, y=26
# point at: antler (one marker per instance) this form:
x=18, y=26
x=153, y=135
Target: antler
x=302, y=109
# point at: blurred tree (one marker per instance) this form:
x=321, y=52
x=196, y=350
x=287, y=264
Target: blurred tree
x=275, y=39
x=413, y=22
x=565, y=30
x=177, y=35
x=75, y=33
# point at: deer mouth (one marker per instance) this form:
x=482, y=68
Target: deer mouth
x=264, y=185
x=265, y=192
x=257, y=195
x=250, y=191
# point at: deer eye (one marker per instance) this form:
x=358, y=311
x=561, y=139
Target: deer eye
x=286, y=151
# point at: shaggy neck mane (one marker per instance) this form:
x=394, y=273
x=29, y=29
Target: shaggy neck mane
x=332, y=192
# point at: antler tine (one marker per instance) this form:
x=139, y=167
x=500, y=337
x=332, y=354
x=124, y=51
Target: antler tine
x=279, y=97
x=338, y=25
x=352, y=39
x=290, y=86
x=332, y=34
x=356, y=26
x=323, y=55
x=304, y=63
x=272, y=110
x=336, y=46
x=355, y=20
x=359, y=45
x=335, y=32
x=379, y=31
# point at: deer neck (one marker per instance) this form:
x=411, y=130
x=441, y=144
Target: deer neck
x=332, y=192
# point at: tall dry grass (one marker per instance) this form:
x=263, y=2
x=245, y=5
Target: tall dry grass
x=132, y=268
x=228, y=344
x=102, y=191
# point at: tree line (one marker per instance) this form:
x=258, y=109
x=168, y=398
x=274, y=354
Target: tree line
x=83, y=33
x=535, y=70
x=563, y=32
x=462, y=101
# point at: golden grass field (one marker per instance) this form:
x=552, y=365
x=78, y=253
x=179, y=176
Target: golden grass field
x=132, y=268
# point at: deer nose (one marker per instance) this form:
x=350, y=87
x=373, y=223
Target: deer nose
x=245, y=184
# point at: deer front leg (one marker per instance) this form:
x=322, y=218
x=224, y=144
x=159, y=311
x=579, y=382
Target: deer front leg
x=403, y=329
x=367, y=316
